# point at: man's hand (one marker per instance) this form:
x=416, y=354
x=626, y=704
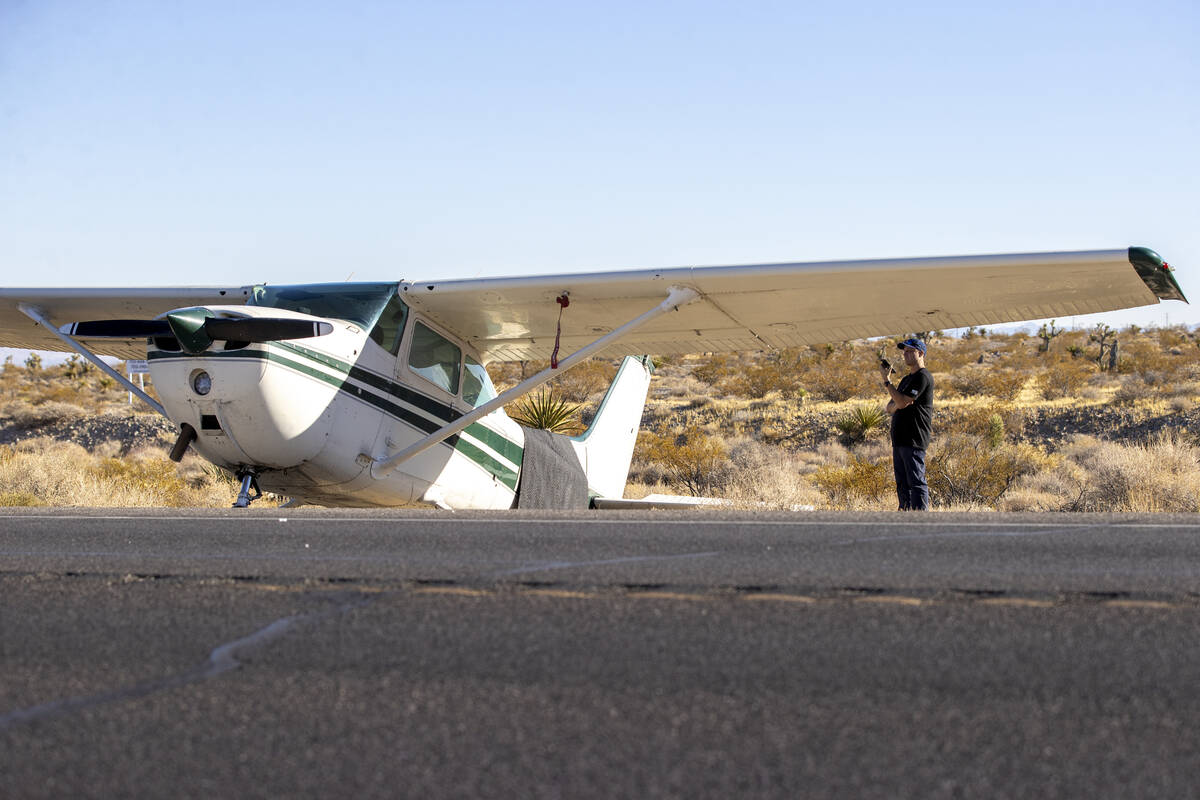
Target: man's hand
x=885, y=372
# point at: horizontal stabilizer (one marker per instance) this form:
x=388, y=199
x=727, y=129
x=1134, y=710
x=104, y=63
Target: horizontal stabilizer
x=663, y=501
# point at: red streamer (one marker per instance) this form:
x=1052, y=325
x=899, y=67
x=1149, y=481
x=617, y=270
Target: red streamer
x=563, y=302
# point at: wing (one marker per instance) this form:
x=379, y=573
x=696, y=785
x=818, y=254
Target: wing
x=73, y=305
x=782, y=305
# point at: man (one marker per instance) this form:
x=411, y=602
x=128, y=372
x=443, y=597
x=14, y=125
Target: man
x=911, y=407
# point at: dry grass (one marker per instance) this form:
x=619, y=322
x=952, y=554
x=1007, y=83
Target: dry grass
x=45, y=472
x=862, y=483
x=762, y=429
x=997, y=397
x=1092, y=475
x=27, y=416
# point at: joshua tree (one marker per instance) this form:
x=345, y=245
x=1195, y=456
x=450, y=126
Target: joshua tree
x=1047, y=333
x=1102, y=336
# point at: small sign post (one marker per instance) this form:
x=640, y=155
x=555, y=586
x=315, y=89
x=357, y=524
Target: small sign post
x=137, y=367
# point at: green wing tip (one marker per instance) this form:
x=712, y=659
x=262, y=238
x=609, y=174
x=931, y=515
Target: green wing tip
x=1156, y=273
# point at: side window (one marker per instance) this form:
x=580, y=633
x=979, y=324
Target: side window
x=477, y=386
x=434, y=358
x=390, y=327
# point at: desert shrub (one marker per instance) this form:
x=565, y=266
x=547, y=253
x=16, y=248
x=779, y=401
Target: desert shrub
x=968, y=380
x=943, y=383
x=839, y=380
x=1182, y=405
x=1005, y=384
x=1131, y=390
x=506, y=374
x=1065, y=379
x=971, y=470
x=61, y=392
x=1022, y=498
x=547, y=411
x=982, y=379
x=1161, y=475
x=1182, y=389
x=1173, y=336
x=777, y=427
x=679, y=386
x=995, y=431
x=576, y=384
x=758, y=380
x=36, y=416
x=584, y=380
x=992, y=421
x=860, y=480
x=962, y=353
x=1020, y=354
x=761, y=476
x=689, y=458
x=151, y=477
x=859, y=422
x=1145, y=358
x=826, y=454
x=717, y=368
x=42, y=471
x=11, y=499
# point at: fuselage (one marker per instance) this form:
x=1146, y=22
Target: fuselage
x=308, y=415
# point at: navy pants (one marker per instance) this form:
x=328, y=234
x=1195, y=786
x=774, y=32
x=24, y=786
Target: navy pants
x=911, y=489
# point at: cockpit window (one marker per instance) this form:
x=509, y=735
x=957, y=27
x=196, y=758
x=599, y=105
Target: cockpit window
x=390, y=327
x=359, y=303
x=477, y=385
x=435, y=358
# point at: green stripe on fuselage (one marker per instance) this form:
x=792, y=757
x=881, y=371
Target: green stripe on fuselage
x=505, y=447
x=506, y=474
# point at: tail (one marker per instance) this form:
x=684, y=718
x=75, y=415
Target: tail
x=605, y=449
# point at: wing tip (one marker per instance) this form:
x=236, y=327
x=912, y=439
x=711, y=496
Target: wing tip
x=1156, y=273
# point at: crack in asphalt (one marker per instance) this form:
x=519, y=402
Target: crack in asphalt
x=221, y=660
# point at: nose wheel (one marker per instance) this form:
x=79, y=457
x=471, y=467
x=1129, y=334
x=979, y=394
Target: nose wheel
x=249, y=479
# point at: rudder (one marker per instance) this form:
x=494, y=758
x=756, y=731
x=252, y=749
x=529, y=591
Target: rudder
x=605, y=449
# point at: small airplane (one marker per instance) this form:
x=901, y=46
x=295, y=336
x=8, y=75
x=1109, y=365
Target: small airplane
x=377, y=394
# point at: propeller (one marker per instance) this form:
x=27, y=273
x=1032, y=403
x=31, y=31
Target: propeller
x=117, y=328
x=196, y=328
x=264, y=329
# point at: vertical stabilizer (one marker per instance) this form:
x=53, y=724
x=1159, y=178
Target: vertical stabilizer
x=606, y=448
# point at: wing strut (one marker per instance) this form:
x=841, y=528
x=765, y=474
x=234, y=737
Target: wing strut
x=382, y=467
x=38, y=316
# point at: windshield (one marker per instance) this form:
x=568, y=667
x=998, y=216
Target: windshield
x=359, y=303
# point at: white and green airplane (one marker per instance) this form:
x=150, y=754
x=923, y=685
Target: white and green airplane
x=377, y=394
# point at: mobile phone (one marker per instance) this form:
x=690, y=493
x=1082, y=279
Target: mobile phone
x=883, y=362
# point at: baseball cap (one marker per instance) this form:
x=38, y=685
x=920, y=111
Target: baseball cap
x=915, y=344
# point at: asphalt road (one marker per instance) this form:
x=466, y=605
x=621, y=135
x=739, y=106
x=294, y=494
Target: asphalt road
x=426, y=654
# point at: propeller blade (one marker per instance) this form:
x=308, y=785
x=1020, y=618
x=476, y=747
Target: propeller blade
x=260, y=329
x=196, y=328
x=117, y=328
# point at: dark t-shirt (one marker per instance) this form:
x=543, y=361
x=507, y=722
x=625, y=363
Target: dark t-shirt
x=911, y=425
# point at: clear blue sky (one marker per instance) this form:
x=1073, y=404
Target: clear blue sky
x=234, y=142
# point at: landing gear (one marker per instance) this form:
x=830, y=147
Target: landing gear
x=249, y=479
